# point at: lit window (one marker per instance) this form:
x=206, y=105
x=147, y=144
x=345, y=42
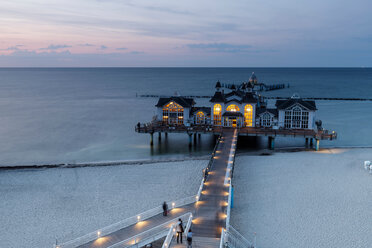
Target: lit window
x=248, y=115
x=200, y=118
x=233, y=108
x=173, y=113
x=217, y=114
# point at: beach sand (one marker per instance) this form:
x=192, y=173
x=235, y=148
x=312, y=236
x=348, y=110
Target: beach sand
x=304, y=199
x=39, y=205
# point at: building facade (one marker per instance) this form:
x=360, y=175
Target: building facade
x=241, y=107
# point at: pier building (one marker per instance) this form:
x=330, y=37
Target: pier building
x=239, y=107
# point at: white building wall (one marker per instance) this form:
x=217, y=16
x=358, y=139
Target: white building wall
x=281, y=118
x=312, y=120
x=159, y=114
x=186, y=116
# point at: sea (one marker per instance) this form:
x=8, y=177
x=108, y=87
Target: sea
x=78, y=115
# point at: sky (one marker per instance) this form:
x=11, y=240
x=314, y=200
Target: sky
x=192, y=33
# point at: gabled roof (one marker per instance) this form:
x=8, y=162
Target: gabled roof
x=261, y=111
x=238, y=96
x=206, y=110
x=284, y=104
x=183, y=101
x=218, y=97
x=234, y=114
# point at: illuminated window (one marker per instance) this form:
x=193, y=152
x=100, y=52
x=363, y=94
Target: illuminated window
x=217, y=114
x=200, y=118
x=233, y=108
x=173, y=113
x=248, y=115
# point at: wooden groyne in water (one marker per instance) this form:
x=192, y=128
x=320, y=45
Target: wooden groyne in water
x=269, y=97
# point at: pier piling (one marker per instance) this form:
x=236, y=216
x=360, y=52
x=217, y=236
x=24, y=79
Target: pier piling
x=306, y=142
x=190, y=139
x=271, y=143
x=311, y=142
x=159, y=136
x=151, y=139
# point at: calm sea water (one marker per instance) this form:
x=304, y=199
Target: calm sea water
x=76, y=115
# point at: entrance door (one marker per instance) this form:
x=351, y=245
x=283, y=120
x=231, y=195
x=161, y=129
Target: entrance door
x=234, y=123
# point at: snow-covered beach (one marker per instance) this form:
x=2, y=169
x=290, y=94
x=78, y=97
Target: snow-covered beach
x=304, y=199
x=39, y=205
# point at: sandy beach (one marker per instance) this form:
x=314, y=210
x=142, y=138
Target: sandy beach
x=304, y=199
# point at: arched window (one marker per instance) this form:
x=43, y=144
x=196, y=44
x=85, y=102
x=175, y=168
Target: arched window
x=248, y=115
x=233, y=108
x=200, y=117
x=296, y=118
x=266, y=120
x=173, y=113
x=217, y=114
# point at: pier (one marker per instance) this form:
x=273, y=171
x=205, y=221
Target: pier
x=207, y=212
x=308, y=134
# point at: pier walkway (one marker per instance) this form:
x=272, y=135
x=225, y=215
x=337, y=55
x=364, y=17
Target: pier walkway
x=210, y=215
x=207, y=210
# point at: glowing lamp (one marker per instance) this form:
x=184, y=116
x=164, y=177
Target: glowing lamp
x=173, y=204
x=138, y=218
x=98, y=233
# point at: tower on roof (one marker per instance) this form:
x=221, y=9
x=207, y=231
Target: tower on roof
x=218, y=85
x=253, y=78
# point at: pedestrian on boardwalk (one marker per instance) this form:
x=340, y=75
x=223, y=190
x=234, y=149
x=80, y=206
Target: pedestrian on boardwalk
x=179, y=230
x=165, y=209
x=189, y=239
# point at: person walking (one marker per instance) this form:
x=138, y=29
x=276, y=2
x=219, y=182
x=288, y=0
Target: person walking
x=179, y=230
x=189, y=239
x=165, y=209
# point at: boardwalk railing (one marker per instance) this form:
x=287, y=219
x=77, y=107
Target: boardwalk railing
x=124, y=223
x=172, y=232
x=233, y=239
x=150, y=235
x=168, y=239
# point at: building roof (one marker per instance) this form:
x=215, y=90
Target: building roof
x=232, y=114
x=284, y=104
x=183, y=101
x=261, y=111
x=206, y=110
x=218, y=97
x=249, y=98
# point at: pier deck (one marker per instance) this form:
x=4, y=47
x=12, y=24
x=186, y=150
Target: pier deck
x=156, y=127
x=208, y=213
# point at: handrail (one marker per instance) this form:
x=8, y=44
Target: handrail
x=169, y=237
x=222, y=239
x=188, y=225
x=135, y=237
x=172, y=231
x=124, y=223
x=236, y=240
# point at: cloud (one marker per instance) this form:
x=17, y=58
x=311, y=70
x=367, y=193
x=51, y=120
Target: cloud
x=220, y=47
x=136, y=52
x=102, y=47
x=121, y=48
x=12, y=48
x=86, y=45
x=54, y=47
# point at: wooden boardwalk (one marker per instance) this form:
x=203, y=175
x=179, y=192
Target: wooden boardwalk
x=138, y=228
x=208, y=213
